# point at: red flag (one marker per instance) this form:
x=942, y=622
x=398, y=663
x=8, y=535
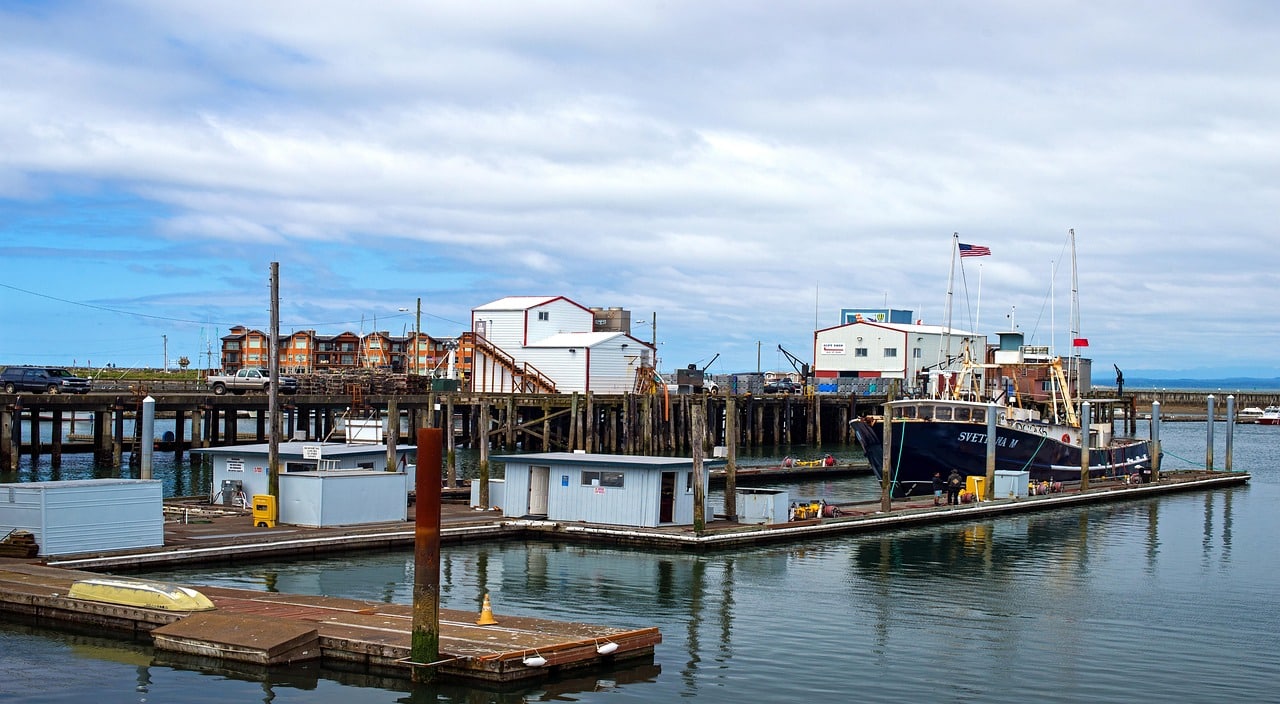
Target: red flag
x=1080, y=342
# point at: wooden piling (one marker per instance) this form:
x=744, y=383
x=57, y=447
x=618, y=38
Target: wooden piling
x=8, y=446
x=55, y=436
x=731, y=457
x=117, y=439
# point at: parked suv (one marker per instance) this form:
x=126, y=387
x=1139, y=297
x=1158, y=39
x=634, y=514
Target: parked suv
x=54, y=380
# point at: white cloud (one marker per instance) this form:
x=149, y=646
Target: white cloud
x=743, y=169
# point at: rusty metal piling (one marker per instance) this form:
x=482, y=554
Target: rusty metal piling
x=425, y=644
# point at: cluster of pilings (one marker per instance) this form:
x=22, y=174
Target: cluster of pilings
x=647, y=424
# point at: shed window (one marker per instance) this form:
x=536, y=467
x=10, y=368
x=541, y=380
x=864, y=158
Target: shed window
x=544, y=315
x=594, y=478
x=891, y=351
x=859, y=351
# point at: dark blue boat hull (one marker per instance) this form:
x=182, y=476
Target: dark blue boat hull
x=921, y=448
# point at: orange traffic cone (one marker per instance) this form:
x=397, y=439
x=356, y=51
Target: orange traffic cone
x=486, y=614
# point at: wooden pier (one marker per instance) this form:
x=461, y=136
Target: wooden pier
x=631, y=424
x=268, y=628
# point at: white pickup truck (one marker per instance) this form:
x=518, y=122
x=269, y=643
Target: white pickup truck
x=249, y=380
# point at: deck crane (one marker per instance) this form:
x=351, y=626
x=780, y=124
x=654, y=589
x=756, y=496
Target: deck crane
x=802, y=368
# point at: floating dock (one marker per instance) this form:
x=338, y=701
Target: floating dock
x=267, y=629
x=262, y=628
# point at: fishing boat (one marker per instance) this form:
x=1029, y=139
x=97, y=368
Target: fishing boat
x=1270, y=416
x=1023, y=393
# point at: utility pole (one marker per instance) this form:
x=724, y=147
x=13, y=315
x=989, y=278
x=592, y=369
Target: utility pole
x=273, y=390
x=166, y=353
x=417, y=332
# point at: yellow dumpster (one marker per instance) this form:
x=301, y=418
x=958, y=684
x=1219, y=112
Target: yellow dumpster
x=264, y=510
x=974, y=484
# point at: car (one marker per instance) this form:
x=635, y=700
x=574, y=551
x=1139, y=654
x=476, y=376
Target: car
x=54, y=380
x=781, y=386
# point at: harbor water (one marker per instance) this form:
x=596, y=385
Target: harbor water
x=1159, y=599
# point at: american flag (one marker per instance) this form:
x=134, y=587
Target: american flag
x=974, y=250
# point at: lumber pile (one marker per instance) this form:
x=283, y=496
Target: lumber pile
x=19, y=543
x=362, y=381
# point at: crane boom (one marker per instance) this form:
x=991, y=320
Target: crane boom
x=802, y=368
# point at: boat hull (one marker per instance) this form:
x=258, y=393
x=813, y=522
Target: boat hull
x=921, y=448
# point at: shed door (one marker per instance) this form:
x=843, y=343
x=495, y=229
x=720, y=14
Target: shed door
x=667, y=502
x=539, y=481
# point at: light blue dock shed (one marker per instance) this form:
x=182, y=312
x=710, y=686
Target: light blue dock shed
x=623, y=490
x=85, y=515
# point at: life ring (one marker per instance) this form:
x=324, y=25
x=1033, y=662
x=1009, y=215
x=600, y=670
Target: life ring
x=1066, y=437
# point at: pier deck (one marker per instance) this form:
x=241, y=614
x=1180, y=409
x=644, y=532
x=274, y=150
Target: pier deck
x=373, y=634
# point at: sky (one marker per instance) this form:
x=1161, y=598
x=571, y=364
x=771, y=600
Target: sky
x=737, y=171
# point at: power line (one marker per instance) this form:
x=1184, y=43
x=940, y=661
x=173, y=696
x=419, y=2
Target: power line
x=149, y=316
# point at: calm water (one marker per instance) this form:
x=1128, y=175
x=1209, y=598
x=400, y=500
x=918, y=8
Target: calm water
x=1160, y=599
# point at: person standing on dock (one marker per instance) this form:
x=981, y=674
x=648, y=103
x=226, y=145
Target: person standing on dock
x=954, y=484
x=938, y=486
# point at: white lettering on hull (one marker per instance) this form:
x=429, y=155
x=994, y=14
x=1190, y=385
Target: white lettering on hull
x=981, y=438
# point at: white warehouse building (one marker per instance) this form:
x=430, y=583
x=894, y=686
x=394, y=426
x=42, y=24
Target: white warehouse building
x=864, y=349
x=525, y=340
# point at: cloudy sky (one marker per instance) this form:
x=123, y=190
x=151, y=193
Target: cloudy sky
x=740, y=170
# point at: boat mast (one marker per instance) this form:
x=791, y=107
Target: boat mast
x=945, y=344
x=1074, y=367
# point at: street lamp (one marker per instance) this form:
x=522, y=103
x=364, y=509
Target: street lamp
x=417, y=330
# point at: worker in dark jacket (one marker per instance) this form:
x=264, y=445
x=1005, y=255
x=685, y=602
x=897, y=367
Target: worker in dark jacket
x=939, y=486
x=955, y=483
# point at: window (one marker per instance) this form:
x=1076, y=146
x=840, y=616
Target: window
x=594, y=478
x=253, y=358
x=859, y=351
x=544, y=315
x=891, y=351
x=347, y=360
x=255, y=343
x=235, y=345
x=916, y=353
x=375, y=344
x=944, y=413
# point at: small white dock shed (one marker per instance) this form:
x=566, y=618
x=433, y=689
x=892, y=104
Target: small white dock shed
x=240, y=471
x=622, y=490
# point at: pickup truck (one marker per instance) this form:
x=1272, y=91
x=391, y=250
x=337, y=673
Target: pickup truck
x=249, y=380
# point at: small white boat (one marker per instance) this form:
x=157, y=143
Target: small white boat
x=1270, y=416
x=1252, y=414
